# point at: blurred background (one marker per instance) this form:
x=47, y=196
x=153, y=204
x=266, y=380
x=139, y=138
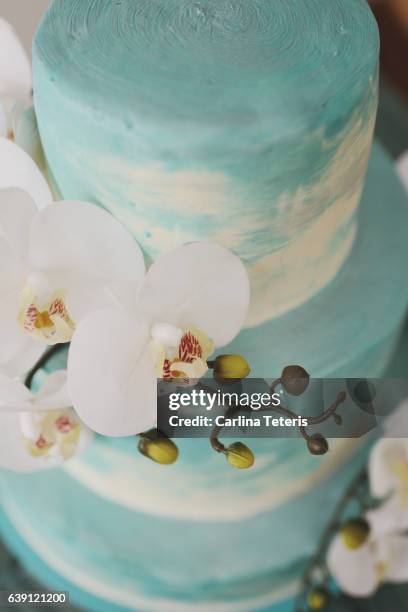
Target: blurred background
x=392, y=131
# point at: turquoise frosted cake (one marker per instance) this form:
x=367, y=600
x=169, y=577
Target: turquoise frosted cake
x=248, y=123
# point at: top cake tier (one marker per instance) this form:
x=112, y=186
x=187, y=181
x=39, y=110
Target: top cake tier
x=247, y=122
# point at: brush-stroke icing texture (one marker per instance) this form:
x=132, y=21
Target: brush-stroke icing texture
x=247, y=122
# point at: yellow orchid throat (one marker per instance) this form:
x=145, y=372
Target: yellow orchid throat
x=188, y=360
x=50, y=433
x=49, y=320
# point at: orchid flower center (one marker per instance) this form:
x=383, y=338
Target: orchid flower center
x=50, y=434
x=179, y=354
x=44, y=315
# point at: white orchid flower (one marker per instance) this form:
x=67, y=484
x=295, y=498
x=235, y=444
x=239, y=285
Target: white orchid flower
x=388, y=474
x=191, y=301
x=360, y=571
x=15, y=79
x=39, y=430
x=57, y=262
x=383, y=556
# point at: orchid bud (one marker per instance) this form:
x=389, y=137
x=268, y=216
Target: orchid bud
x=158, y=448
x=317, y=444
x=295, y=379
x=240, y=456
x=354, y=533
x=230, y=368
x=318, y=599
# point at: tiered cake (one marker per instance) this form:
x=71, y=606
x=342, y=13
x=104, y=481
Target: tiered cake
x=249, y=123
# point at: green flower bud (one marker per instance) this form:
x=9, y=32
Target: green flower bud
x=230, y=368
x=158, y=448
x=317, y=444
x=295, y=379
x=354, y=533
x=318, y=599
x=240, y=456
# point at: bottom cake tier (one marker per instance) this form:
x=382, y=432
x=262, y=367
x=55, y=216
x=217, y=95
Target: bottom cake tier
x=122, y=533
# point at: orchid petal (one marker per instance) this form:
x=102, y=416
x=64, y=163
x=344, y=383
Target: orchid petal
x=17, y=212
x=390, y=517
x=87, y=253
x=27, y=135
x=13, y=394
x=10, y=332
x=398, y=560
x=53, y=393
x=200, y=284
x=17, y=169
x=354, y=570
x=15, y=69
x=111, y=375
x=18, y=357
x=385, y=458
x=396, y=424
x=3, y=122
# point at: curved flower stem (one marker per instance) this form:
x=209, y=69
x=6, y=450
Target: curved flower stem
x=219, y=447
x=275, y=383
x=45, y=357
x=341, y=398
x=317, y=561
x=324, y=416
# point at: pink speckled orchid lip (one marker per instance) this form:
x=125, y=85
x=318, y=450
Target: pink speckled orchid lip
x=183, y=357
x=49, y=321
x=39, y=430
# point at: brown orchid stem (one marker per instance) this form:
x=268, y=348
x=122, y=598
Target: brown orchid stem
x=341, y=398
x=219, y=447
x=317, y=561
x=275, y=383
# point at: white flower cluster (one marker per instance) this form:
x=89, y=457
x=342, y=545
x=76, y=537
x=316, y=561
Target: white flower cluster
x=381, y=556
x=70, y=273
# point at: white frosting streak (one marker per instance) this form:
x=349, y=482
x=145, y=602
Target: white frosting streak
x=85, y=578
x=167, y=208
x=140, y=487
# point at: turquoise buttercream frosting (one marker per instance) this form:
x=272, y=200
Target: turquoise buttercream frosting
x=247, y=122
x=122, y=533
